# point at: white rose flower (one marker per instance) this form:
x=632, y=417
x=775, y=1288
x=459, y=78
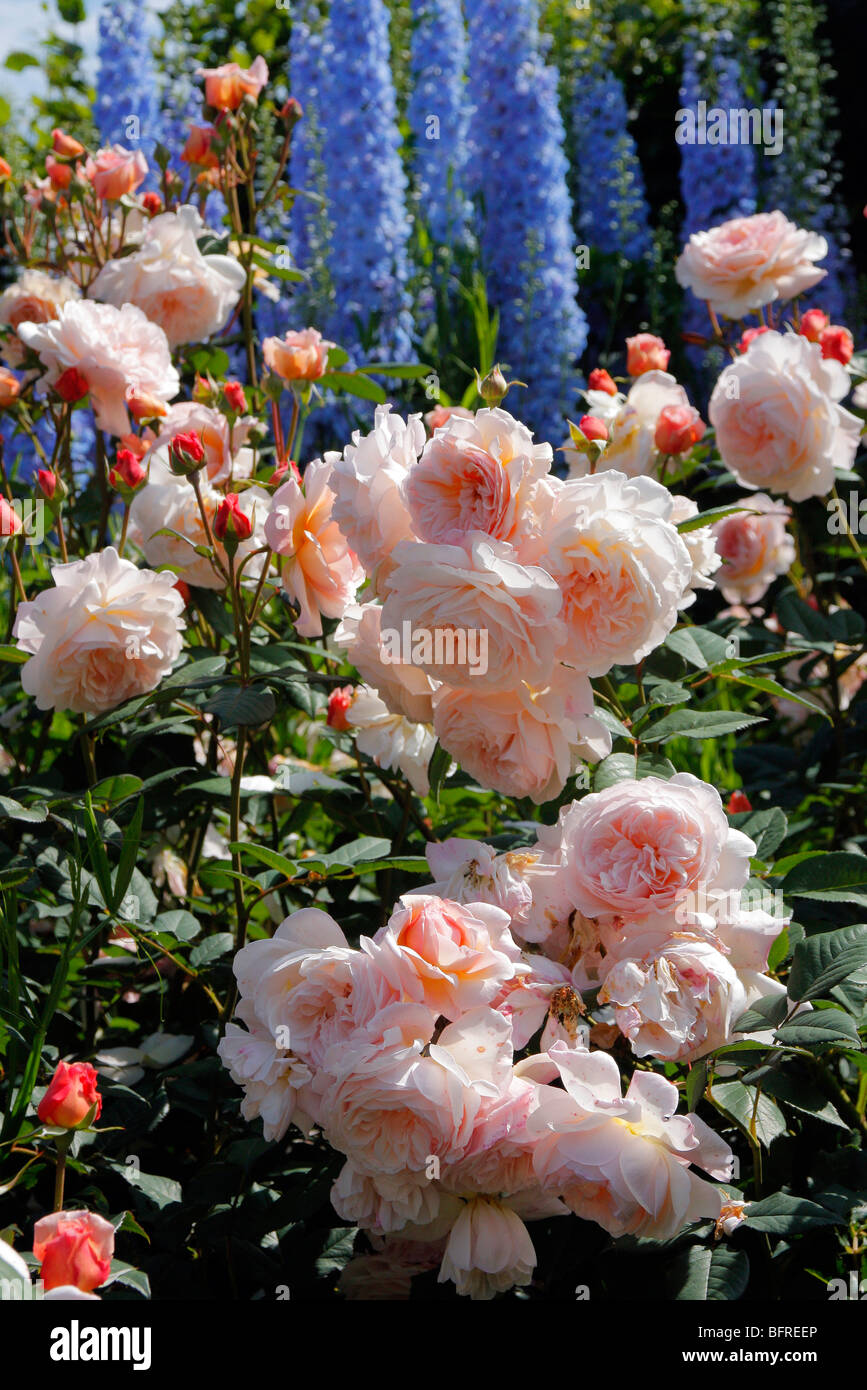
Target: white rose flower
x=168, y=502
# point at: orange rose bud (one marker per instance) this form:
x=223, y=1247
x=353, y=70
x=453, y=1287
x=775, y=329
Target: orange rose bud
x=646, y=353
x=60, y=174
x=230, y=523
x=599, y=380
x=198, y=150
x=71, y=1096
x=71, y=386
x=812, y=324
x=837, y=343
x=65, y=145
x=152, y=203
x=593, y=428
x=678, y=428
x=10, y=388
x=738, y=801
x=5, y=169
x=749, y=335
x=235, y=398
x=143, y=406
x=75, y=1248
x=339, y=701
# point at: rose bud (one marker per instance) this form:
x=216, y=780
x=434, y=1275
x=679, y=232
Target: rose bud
x=71, y=1096
x=127, y=476
x=74, y=1248
x=135, y=444
x=837, y=343
x=152, y=203
x=291, y=111
x=749, y=335
x=183, y=589
x=5, y=169
x=10, y=521
x=230, y=523
x=198, y=150
x=299, y=356
x=186, y=454
x=812, y=324
x=738, y=801
x=59, y=174
x=235, y=398
x=71, y=386
x=143, y=406
x=226, y=86
x=599, y=380
x=65, y=145
x=116, y=171
x=678, y=428
x=339, y=701
x=592, y=428
x=493, y=388
x=646, y=353
x=282, y=469
x=10, y=388
x=50, y=485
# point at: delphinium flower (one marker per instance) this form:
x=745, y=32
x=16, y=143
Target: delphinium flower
x=438, y=115
x=126, y=107
x=519, y=171
x=612, y=208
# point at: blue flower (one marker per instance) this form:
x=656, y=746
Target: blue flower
x=613, y=214
x=438, y=117
x=125, y=109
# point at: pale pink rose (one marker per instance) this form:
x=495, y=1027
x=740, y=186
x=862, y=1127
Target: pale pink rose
x=746, y=930
x=190, y=295
x=676, y=999
x=489, y=1250
x=35, y=298
x=480, y=592
x=526, y=1000
x=115, y=171
x=273, y=1079
x=384, y=1201
x=391, y=740
x=778, y=424
x=112, y=348
x=701, y=547
x=391, y=1109
x=171, y=504
x=476, y=474
x=522, y=742
x=639, y=848
x=319, y=571
x=450, y=956
x=367, y=479
x=616, y=556
x=468, y=871
x=404, y=688
x=748, y=262
x=105, y=632
x=226, y=86
x=441, y=414
x=631, y=421
x=753, y=550
x=300, y=355
x=226, y=454
x=625, y=1162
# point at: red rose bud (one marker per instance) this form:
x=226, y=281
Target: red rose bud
x=71, y=386
x=592, y=428
x=837, y=343
x=646, y=353
x=812, y=324
x=230, y=523
x=599, y=380
x=71, y=1096
x=59, y=174
x=152, y=204
x=748, y=336
x=65, y=145
x=291, y=110
x=678, y=428
x=281, y=470
x=235, y=398
x=127, y=475
x=739, y=801
x=186, y=454
x=339, y=702
x=183, y=589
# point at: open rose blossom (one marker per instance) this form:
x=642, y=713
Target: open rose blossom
x=190, y=295
x=367, y=481
x=170, y=503
x=301, y=355
x=631, y=422
x=320, y=572
x=748, y=262
x=71, y=1095
x=489, y=1250
x=116, y=171
x=112, y=349
x=106, y=631
x=754, y=549
x=35, y=298
x=226, y=86
x=400, y=684
x=74, y=1248
x=778, y=423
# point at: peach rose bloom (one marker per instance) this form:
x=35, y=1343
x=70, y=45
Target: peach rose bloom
x=700, y=545
x=320, y=572
x=449, y=956
x=489, y=1250
x=226, y=454
x=390, y=740
x=190, y=295
x=10, y=388
x=405, y=688
x=639, y=848
x=105, y=632
x=367, y=478
x=778, y=425
x=477, y=588
x=274, y=1080
x=385, y=1201
x=73, y=1247
x=748, y=262
x=301, y=355
x=624, y=1162
x=753, y=550
x=476, y=475
x=114, y=349
x=441, y=414
x=115, y=171
x=168, y=502
x=226, y=86
x=35, y=298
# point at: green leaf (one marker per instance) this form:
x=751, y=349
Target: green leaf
x=126, y=864
x=836, y=877
x=247, y=706
x=404, y=371
x=696, y=1082
x=694, y=523
x=112, y=789
x=767, y=828
x=18, y=60
x=196, y=674
x=710, y=1274
x=771, y=687
x=211, y=949
x=765, y=1013
x=820, y=962
x=268, y=856
x=15, y=811
x=13, y=655
x=783, y=1215
x=699, y=646
x=131, y=1278
x=802, y=1096
x=819, y=1028
x=337, y=1250
x=738, y=1101
x=437, y=768
x=177, y=922
x=354, y=385
x=625, y=767
x=688, y=723
x=72, y=11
